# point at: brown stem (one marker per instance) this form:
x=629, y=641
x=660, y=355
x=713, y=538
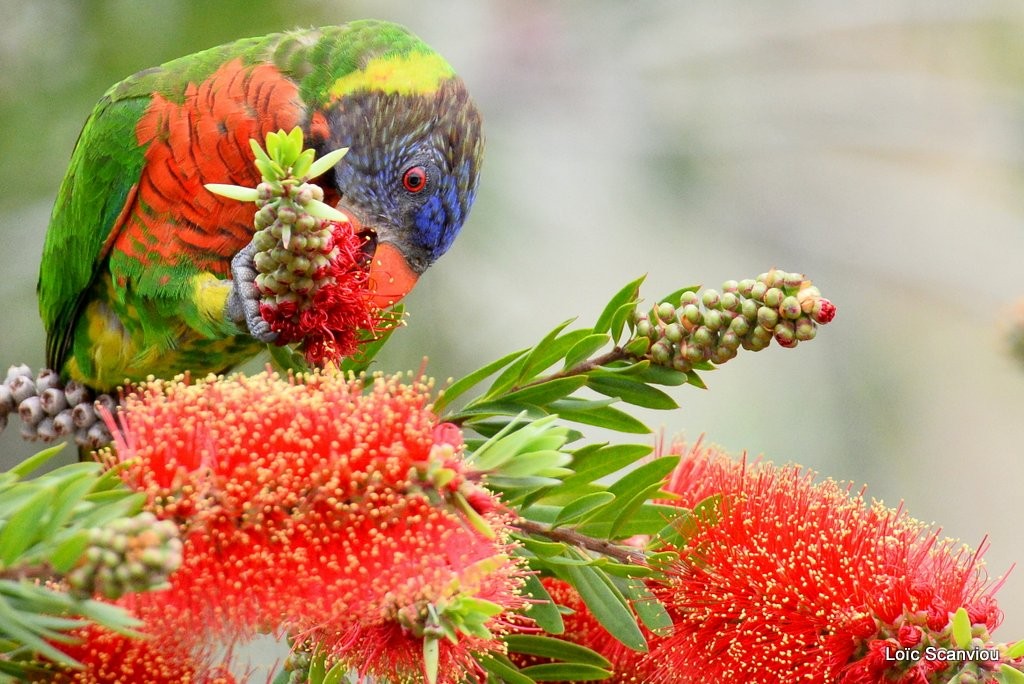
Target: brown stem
x=42, y=572
x=622, y=554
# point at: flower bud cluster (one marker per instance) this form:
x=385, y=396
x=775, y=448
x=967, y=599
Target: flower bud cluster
x=294, y=248
x=127, y=555
x=713, y=326
x=50, y=409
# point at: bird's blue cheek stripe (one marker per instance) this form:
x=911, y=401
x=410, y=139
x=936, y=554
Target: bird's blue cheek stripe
x=438, y=221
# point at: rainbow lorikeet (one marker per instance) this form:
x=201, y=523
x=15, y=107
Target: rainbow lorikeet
x=137, y=275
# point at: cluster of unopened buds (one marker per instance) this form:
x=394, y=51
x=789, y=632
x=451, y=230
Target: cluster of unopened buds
x=50, y=409
x=713, y=326
x=127, y=555
x=311, y=272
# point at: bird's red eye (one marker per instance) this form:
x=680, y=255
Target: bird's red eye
x=414, y=179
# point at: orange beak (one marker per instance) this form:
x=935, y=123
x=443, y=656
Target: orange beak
x=391, y=278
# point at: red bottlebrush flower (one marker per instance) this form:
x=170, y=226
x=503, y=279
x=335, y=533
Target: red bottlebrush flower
x=330, y=319
x=108, y=657
x=802, y=581
x=310, y=507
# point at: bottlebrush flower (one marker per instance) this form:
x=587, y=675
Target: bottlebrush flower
x=111, y=657
x=313, y=508
x=797, y=580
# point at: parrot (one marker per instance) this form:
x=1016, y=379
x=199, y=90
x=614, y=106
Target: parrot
x=146, y=272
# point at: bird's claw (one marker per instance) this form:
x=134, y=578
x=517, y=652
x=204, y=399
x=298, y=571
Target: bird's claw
x=243, y=305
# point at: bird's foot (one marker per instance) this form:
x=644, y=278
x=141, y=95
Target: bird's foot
x=243, y=305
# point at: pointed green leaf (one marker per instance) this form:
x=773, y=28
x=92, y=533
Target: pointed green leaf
x=630, y=293
x=628, y=506
x=459, y=387
x=300, y=169
x=962, y=628
x=36, y=461
x=503, y=668
x=659, y=375
x=582, y=350
x=66, y=554
x=1015, y=651
x=599, y=414
x=693, y=379
x=631, y=392
x=285, y=358
x=235, y=192
x=258, y=152
x=1010, y=674
x=583, y=506
x=623, y=315
x=565, y=672
x=649, y=609
x=544, y=393
x=325, y=211
x=21, y=529
x=607, y=605
x=431, y=655
x=326, y=162
x=542, y=609
x=553, y=347
x=557, y=649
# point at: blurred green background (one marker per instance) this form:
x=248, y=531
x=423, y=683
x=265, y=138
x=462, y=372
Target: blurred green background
x=877, y=146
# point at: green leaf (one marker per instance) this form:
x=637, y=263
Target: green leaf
x=565, y=672
x=620, y=318
x=286, y=359
x=550, y=350
x=962, y=628
x=431, y=656
x=1015, y=651
x=557, y=649
x=21, y=529
x=631, y=392
x=607, y=605
x=326, y=162
x=693, y=379
x=546, y=392
x=542, y=609
x=459, y=387
x=583, y=506
x=628, y=506
x=36, y=461
x=1010, y=674
x=607, y=460
x=582, y=350
x=673, y=297
x=649, y=609
x=515, y=372
x=537, y=463
x=599, y=414
x=235, y=192
x=503, y=668
x=629, y=294
x=660, y=375
x=489, y=409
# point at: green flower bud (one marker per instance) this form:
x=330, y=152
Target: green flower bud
x=681, y=364
x=300, y=265
x=806, y=329
x=661, y=353
x=263, y=240
x=306, y=223
x=730, y=286
x=785, y=334
x=722, y=355
x=688, y=297
x=762, y=336
x=758, y=290
x=767, y=317
x=792, y=281
x=731, y=301
x=287, y=215
x=644, y=328
x=730, y=340
x=710, y=299
x=692, y=314
x=740, y=325
x=715, y=320
x=745, y=286
x=749, y=309
x=790, y=308
x=665, y=312
x=773, y=297
x=674, y=332
x=264, y=262
x=694, y=353
x=303, y=286
x=704, y=337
